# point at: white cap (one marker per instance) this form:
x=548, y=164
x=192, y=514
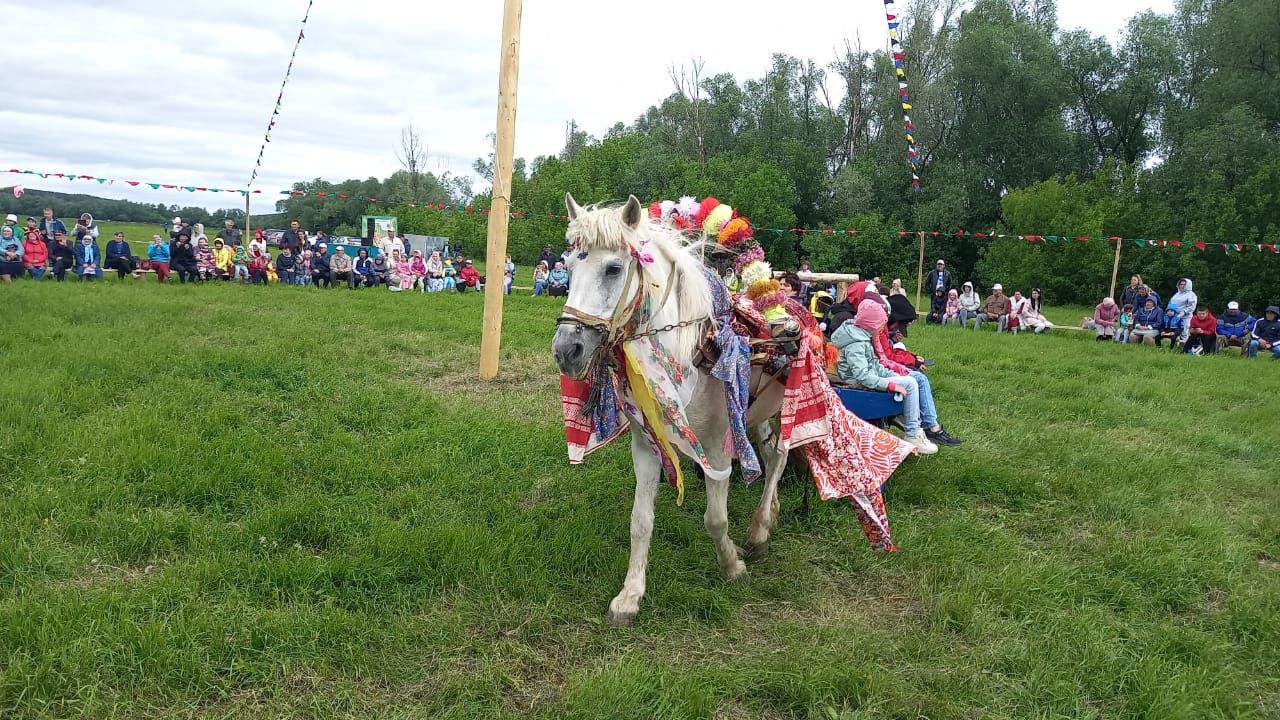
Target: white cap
x=12, y=217
x=1233, y=305
x=177, y=221
x=997, y=286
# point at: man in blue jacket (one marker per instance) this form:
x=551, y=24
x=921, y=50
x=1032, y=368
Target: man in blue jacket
x=50, y=225
x=1266, y=334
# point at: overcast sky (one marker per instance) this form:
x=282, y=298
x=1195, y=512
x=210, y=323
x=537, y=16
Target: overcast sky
x=181, y=92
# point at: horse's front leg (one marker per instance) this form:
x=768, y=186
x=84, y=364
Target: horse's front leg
x=624, y=606
x=766, y=514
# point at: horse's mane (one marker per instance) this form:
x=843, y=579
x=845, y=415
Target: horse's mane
x=602, y=227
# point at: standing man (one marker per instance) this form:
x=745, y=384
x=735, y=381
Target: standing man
x=293, y=237
x=938, y=284
x=50, y=226
x=547, y=257
x=231, y=237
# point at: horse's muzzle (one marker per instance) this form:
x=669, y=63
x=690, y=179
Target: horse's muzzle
x=573, y=347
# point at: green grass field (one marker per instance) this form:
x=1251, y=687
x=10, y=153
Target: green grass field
x=229, y=502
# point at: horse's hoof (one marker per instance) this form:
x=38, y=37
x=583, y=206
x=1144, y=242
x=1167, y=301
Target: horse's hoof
x=737, y=572
x=620, y=619
x=753, y=551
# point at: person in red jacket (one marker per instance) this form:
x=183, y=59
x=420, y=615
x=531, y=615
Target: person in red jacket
x=469, y=278
x=1203, y=337
x=35, y=252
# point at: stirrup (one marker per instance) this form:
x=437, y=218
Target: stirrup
x=786, y=333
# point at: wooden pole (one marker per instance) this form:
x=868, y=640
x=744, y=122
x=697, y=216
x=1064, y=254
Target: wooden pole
x=248, y=225
x=500, y=209
x=920, y=270
x=1115, y=268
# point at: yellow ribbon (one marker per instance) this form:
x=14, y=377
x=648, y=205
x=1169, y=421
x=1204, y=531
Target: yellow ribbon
x=648, y=405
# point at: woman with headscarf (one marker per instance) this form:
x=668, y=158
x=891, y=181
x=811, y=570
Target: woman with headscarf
x=435, y=272
x=86, y=226
x=951, y=313
x=1106, y=315
x=417, y=271
x=540, y=274
x=35, y=254
x=11, y=253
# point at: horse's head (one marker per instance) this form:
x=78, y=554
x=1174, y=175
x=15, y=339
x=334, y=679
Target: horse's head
x=604, y=281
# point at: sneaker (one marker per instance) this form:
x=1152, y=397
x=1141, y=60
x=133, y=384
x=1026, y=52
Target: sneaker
x=921, y=444
x=942, y=437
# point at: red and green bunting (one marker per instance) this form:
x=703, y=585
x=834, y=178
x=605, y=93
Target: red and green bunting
x=271, y=123
x=131, y=183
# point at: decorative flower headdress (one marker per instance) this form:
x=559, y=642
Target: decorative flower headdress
x=721, y=223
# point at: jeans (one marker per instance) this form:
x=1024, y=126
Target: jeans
x=928, y=410
x=1122, y=335
x=966, y=316
x=539, y=287
x=37, y=273
x=1254, y=345
x=288, y=277
x=242, y=272
x=1002, y=322
x=910, y=404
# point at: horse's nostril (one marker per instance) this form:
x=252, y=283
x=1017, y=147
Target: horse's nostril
x=576, y=351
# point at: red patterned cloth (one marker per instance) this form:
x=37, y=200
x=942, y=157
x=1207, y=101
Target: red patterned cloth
x=579, y=433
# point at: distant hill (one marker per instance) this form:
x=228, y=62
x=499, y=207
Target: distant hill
x=70, y=205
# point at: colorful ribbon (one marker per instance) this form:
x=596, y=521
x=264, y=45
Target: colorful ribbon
x=904, y=97
x=131, y=183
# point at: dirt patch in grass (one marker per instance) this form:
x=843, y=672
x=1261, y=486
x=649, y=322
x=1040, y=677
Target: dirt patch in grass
x=99, y=573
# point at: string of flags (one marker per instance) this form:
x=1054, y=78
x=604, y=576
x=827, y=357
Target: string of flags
x=130, y=183
x=904, y=96
x=271, y=124
x=901, y=233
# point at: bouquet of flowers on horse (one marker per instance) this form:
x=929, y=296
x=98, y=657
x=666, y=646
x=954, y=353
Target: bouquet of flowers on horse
x=652, y=341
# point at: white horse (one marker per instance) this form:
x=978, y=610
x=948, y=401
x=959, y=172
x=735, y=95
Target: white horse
x=606, y=280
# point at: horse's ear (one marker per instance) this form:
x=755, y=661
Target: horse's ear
x=572, y=206
x=631, y=212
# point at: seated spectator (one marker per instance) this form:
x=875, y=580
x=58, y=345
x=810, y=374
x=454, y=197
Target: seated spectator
x=951, y=312
x=1266, y=334
x=970, y=303
x=1106, y=315
x=120, y=256
x=469, y=278
x=35, y=251
x=540, y=274
x=12, y=249
x=995, y=309
x=1170, y=328
x=417, y=272
x=1017, y=306
x=1234, y=326
x=88, y=258
x=287, y=266
x=1143, y=293
x=558, y=281
x=223, y=258
x=937, y=307
x=896, y=288
x=380, y=270
x=183, y=257
x=320, y=268
x=435, y=272
x=362, y=270
x=259, y=267
x=401, y=277
x=1202, y=333
x=63, y=257
x=1032, y=318
x=450, y=276
x=206, y=264
x=240, y=264
x=1146, y=323
x=859, y=366
x=302, y=269
x=340, y=267
x=158, y=256
x=1125, y=324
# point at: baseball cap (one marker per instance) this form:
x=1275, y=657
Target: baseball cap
x=11, y=218
x=1233, y=305
x=997, y=286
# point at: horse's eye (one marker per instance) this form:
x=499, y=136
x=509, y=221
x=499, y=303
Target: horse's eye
x=613, y=271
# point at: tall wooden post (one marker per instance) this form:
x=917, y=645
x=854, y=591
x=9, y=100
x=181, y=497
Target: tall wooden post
x=248, y=226
x=1115, y=268
x=920, y=270
x=500, y=209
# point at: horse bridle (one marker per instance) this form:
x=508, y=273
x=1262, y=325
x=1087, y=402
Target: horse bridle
x=613, y=330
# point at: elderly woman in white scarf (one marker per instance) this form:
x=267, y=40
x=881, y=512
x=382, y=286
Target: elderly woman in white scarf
x=435, y=272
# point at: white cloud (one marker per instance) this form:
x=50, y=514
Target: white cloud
x=181, y=92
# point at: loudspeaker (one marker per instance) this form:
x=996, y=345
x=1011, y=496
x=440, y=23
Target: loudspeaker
x=369, y=231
